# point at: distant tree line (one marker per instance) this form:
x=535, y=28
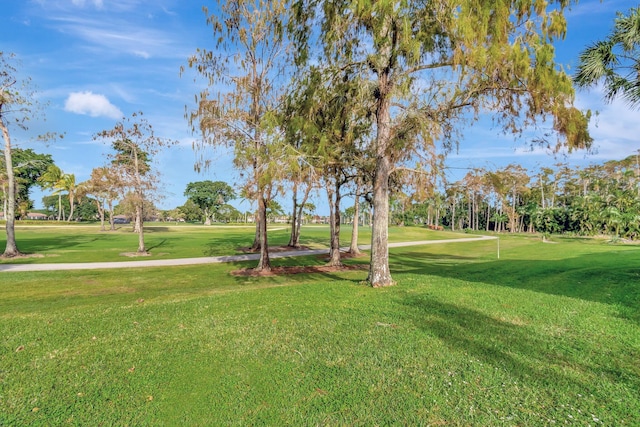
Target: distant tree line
x=598, y=199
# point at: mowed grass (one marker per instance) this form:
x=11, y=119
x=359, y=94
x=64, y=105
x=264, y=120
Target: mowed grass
x=86, y=243
x=55, y=243
x=547, y=334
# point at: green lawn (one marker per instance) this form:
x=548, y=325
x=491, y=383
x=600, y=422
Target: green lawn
x=548, y=334
x=55, y=243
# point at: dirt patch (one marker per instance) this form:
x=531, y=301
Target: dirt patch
x=135, y=254
x=297, y=269
x=22, y=256
x=348, y=255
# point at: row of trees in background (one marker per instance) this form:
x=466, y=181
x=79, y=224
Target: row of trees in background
x=598, y=199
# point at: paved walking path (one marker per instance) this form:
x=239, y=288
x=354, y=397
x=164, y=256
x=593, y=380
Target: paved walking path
x=207, y=260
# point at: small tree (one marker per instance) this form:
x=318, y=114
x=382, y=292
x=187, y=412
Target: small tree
x=135, y=142
x=104, y=185
x=327, y=120
x=28, y=167
x=190, y=211
x=249, y=57
x=209, y=196
x=228, y=213
x=52, y=179
x=69, y=185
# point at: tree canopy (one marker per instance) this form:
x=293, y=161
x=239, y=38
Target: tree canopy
x=135, y=142
x=615, y=61
x=209, y=196
x=249, y=56
x=434, y=65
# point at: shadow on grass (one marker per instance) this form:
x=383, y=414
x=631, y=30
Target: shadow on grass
x=35, y=245
x=157, y=229
x=157, y=245
x=513, y=347
x=609, y=277
x=227, y=246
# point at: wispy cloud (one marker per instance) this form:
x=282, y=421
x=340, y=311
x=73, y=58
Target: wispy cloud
x=614, y=126
x=81, y=3
x=118, y=36
x=94, y=105
x=66, y=5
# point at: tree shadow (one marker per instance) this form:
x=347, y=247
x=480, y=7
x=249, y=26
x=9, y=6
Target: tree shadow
x=36, y=245
x=157, y=245
x=157, y=229
x=515, y=348
x=608, y=277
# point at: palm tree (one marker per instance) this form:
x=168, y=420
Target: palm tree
x=68, y=184
x=52, y=179
x=614, y=60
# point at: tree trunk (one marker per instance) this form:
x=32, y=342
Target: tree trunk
x=542, y=192
x=453, y=215
x=255, y=247
x=468, y=211
x=71, y=203
x=379, y=273
x=354, y=250
x=334, y=206
x=488, y=216
x=207, y=217
x=5, y=191
x=299, y=214
x=11, y=248
x=264, y=264
x=100, y=206
x=112, y=225
x=140, y=227
x=294, y=239
x=512, y=221
x=136, y=222
x=476, y=210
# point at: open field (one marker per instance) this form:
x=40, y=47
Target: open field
x=547, y=334
x=63, y=243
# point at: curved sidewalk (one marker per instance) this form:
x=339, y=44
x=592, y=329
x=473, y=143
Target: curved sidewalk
x=206, y=260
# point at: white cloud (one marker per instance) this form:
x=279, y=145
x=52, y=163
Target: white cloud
x=142, y=54
x=96, y=3
x=91, y=104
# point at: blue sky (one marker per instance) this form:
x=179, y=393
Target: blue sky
x=94, y=61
